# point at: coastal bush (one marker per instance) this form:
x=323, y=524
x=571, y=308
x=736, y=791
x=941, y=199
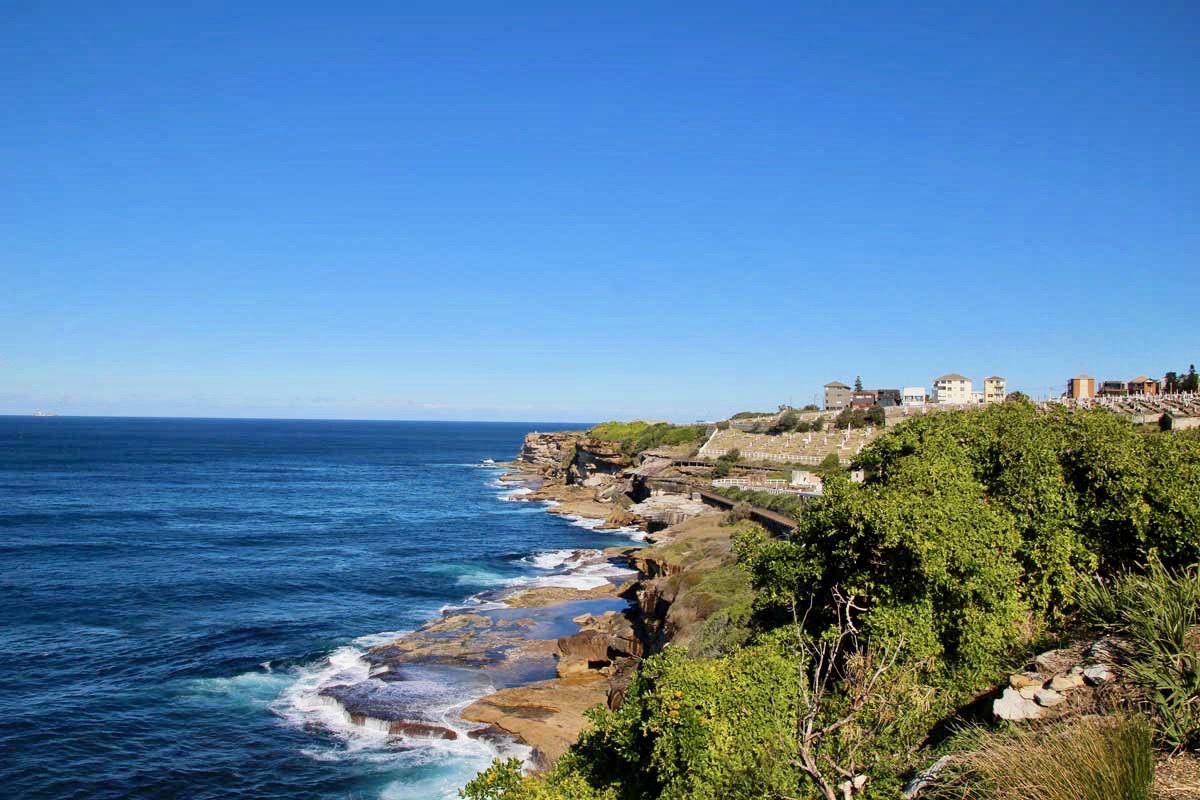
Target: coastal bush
x=503, y=780
x=829, y=465
x=705, y=729
x=634, y=437
x=974, y=529
x=787, y=421
x=724, y=631
x=725, y=463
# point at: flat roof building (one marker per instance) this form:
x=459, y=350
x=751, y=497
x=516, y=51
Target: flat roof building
x=1143, y=385
x=837, y=396
x=1081, y=387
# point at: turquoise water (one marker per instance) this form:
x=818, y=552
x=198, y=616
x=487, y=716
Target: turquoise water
x=174, y=592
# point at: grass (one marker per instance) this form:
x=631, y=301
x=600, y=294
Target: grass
x=1095, y=758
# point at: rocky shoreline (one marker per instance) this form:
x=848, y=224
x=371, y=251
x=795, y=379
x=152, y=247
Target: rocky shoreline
x=548, y=652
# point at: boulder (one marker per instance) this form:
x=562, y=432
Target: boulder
x=604, y=639
x=1097, y=674
x=1013, y=707
x=1047, y=698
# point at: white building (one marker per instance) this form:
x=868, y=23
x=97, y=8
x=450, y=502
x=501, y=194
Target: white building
x=953, y=389
x=913, y=396
x=807, y=481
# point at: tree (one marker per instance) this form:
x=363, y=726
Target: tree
x=858, y=383
x=1016, y=397
x=837, y=665
x=829, y=465
x=1171, y=382
x=1192, y=382
x=876, y=416
x=787, y=421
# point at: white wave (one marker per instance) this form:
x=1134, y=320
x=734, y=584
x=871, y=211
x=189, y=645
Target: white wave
x=568, y=581
x=592, y=523
x=482, y=577
x=376, y=639
x=300, y=704
x=515, y=495
x=472, y=603
x=552, y=559
x=253, y=688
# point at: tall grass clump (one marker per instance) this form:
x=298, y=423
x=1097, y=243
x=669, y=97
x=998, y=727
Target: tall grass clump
x=1097, y=758
x=1158, y=611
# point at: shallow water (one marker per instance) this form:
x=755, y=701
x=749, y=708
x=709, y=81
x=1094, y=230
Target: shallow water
x=174, y=592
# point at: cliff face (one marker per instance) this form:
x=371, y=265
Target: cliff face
x=596, y=461
x=574, y=458
x=549, y=453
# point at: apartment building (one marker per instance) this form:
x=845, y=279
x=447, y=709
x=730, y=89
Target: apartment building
x=953, y=389
x=995, y=389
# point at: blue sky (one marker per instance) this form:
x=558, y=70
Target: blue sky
x=569, y=211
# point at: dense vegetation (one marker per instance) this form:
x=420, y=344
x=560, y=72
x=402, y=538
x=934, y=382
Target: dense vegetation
x=634, y=437
x=975, y=534
x=1188, y=382
x=789, y=422
x=860, y=418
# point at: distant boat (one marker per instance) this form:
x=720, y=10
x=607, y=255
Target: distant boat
x=44, y=414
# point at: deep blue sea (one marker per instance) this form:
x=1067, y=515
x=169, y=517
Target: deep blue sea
x=173, y=591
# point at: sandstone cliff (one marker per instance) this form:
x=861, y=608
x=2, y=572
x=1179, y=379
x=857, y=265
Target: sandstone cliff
x=549, y=453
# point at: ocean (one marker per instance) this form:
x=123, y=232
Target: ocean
x=174, y=592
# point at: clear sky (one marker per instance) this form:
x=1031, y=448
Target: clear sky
x=577, y=211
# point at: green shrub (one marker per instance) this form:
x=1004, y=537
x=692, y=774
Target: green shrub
x=974, y=528
x=634, y=437
x=702, y=729
x=504, y=781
